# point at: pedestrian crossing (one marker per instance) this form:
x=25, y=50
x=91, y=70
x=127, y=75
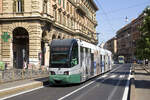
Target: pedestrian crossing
x=113, y=76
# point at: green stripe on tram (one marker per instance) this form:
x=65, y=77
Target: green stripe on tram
x=65, y=79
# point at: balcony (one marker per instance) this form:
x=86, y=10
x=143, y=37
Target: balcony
x=81, y=8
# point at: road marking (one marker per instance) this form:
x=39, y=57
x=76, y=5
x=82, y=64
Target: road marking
x=121, y=76
x=18, y=86
x=104, y=76
x=115, y=89
x=21, y=93
x=126, y=90
x=85, y=86
x=113, y=76
x=43, y=87
x=76, y=90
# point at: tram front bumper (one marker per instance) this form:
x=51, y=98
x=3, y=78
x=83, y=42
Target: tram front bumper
x=64, y=79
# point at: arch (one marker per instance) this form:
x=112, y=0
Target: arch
x=53, y=37
x=59, y=37
x=20, y=47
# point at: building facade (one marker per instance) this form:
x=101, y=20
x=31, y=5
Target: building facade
x=112, y=46
x=28, y=26
x=127, y=37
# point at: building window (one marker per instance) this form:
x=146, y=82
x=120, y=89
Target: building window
x=59, y=1
x=45, y=7
x=63, y=3
x=72, y=24
x=67, y=7
x=68, y=21
x=70, y=9
x=18, y=6
x=64, y=20
x=60, y=17
x=56, y=15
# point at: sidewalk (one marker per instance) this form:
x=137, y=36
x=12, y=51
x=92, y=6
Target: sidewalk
x=8, y=89
x=140, y=85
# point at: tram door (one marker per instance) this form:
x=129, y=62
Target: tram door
x=92, y=64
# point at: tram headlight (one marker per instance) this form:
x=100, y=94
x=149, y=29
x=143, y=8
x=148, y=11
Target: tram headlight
x=52, y=72
x=66, y=73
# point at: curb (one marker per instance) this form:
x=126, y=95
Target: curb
x=21, y=88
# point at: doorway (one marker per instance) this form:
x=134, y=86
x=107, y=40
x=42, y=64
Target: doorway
x=20, y=47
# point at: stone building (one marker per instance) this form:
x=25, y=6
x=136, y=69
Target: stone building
x=126, y=38
x=28, y=26
x=136, y=34
x=124, y=42
x=112, y=45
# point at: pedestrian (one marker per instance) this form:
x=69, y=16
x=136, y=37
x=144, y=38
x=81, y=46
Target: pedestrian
x=146, y=62
x=25, y=64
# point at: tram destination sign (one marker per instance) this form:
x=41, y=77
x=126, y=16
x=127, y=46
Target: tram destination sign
x=60, y=48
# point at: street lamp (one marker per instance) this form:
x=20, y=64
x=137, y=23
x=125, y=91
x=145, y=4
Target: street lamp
x=97, y=35
x=126, y=19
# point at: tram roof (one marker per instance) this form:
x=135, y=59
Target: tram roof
x=64, y=42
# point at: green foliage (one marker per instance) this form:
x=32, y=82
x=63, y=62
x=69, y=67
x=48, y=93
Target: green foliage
x=143, y=44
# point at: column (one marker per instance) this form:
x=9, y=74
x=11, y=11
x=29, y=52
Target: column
x=35, y=45
x=6, y=46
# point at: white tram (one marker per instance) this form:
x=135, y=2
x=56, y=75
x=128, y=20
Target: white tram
x=75, y=61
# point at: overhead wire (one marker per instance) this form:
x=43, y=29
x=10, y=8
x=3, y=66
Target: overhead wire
x=106, y=16
x=129, y=7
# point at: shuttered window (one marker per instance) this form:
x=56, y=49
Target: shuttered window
x=63, y=3
x=18, y=6
x=59, y=2
x=14, y=6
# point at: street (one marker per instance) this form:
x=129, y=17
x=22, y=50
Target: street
x=109, y=86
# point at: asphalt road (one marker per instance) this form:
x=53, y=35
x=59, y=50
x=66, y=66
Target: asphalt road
x=109, y=86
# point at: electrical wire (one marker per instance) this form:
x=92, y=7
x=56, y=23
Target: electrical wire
x=106, y=16
x=129, y=7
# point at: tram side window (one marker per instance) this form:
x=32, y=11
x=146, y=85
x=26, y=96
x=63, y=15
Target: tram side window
x=101, y=60
x=74, y=59
x=81, y=55
x=104, y=60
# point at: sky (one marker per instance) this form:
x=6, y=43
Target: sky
x=112, y=14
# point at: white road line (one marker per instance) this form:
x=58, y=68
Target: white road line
x=18, y=86
x=76, y=90
x=104, y=76
x=84, y=86
x=121, y=76
x=21, y=93
x=114, y=90
x=113, y=76
x=126, y=90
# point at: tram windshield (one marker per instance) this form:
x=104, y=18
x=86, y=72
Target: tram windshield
x=64, y=53
x=59, y=58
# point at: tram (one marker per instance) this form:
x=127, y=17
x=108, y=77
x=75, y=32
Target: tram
x=75, y=61
x=121, y=59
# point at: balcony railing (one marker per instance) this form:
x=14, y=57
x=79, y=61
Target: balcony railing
x=81, y=8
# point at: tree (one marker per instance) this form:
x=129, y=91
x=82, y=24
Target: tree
x=143, y=44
